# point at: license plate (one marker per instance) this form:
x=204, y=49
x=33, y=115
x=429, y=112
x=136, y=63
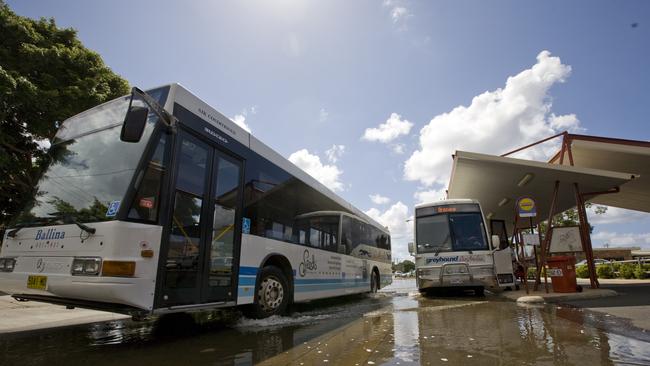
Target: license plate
x=37, y=282
x=456, y=281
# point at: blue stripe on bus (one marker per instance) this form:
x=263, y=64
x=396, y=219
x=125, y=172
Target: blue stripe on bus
x=248, y=271
x=248, y=276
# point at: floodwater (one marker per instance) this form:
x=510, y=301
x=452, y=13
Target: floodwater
x=396, y=328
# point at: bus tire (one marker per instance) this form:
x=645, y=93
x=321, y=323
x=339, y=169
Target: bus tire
x=374, y=282
x=272, y=294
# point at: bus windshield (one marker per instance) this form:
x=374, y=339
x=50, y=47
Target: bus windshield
x=88, y=168
x=450, y=232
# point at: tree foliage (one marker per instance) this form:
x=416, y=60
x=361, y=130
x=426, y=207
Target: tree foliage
x=46, y=76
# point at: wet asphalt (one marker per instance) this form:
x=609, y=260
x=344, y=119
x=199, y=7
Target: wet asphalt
x=399, y=327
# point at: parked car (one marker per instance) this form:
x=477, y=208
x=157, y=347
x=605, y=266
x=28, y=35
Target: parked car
x=597, y=261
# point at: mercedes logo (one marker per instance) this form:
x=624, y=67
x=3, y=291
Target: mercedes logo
x=40, y=265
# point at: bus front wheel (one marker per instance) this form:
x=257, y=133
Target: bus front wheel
x=272, y=294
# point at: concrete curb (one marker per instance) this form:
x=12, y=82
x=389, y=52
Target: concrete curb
x=541, y=296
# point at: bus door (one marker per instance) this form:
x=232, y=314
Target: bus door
x=201, y=247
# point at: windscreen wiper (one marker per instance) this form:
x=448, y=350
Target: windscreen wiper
x=67, y=217
x=438, y=250
x=12, y=233
x=86, y=228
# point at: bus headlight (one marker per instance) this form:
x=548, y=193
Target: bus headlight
x=86, y=266
x=483, y=271
x=7, y=264
x=429, y=272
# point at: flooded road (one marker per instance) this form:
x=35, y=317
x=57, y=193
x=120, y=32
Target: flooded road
x=401, y=328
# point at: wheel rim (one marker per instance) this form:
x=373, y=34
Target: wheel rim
x=270, y=294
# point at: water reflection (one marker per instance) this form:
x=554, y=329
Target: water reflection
x=389, y=330
x=421, y=331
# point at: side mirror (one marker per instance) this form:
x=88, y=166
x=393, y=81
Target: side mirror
x=412, y=248
x=134, y=122
x=496, y=242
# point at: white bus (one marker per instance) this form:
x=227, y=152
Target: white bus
x=155, y=203
x=452, y=249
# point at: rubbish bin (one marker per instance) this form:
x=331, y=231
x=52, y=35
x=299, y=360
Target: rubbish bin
x=562, y=270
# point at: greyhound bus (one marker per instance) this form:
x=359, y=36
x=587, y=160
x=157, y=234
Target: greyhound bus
x=452, y=249
x=155, y=203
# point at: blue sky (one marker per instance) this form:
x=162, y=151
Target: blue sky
x=311, y=77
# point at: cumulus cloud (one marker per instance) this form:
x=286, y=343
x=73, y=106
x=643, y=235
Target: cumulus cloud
x=401, y=232
x=328, y=175
x=614, y=239
x=379, y=199
x=240, y=120
x=432, y=195
x=393, y=128
x=334, y=153
x=494, y=122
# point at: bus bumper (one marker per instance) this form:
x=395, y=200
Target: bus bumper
x=124, y=295
x=435, y=277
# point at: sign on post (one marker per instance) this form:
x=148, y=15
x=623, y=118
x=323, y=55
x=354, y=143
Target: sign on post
x=526, y=207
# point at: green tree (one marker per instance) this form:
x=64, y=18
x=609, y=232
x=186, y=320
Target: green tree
x=408, y=265
x=46, y=76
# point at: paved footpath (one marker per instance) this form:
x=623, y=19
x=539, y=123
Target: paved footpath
x=628, y=299
x=18, y=316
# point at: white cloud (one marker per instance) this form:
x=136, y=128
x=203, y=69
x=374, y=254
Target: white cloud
x=394, y=127
x=378, y=199
x=43, y=144
x=334, y=153
x=240, y=120
x=398, y=148
x=399, y=13
x=432, y=195
x=328, y=175
x=323, y=115
x=401, y=232
x=495, y=122
x=615, y=215
x=615, y=239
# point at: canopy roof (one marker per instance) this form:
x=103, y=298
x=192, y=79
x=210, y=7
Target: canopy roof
x=497, y=182
x=614, y=155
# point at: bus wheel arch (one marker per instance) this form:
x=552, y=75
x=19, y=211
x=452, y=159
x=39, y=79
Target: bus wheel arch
x=281, y=262
x=273, y=288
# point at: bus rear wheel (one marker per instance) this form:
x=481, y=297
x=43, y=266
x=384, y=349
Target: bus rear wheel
x=272, y=294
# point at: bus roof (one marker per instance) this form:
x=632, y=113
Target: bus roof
x=456, y=201
x=181, y=95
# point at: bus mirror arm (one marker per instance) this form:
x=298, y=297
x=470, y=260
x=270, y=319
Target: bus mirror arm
x=136, y=117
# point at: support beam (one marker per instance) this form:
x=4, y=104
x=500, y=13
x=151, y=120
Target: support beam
x=545, y=246
x=585, y=237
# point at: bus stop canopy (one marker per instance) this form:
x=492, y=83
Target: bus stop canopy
x=614, y=155
x=498, y=182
